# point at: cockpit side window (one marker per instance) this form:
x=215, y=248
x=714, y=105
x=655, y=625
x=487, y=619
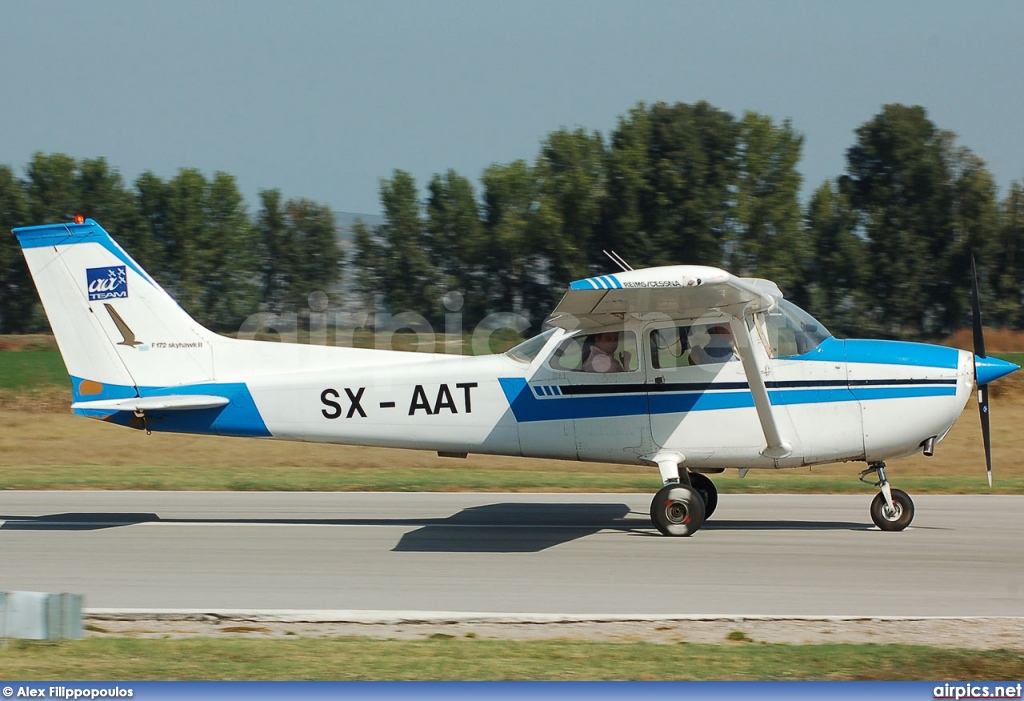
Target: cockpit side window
x=608, y=351
x=699, y=344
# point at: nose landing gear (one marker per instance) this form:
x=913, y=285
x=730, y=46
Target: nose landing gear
x=891, y=509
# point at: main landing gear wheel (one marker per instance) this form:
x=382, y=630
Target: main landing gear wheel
x=677, y=510
x=707, y=490
x=897, y=518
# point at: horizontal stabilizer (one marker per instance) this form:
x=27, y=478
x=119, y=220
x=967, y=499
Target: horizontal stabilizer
x=170, y=402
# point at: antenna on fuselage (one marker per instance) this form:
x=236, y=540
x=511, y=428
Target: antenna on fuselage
x=617, y=259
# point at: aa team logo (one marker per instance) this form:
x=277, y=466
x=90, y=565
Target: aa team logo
x=107, y=283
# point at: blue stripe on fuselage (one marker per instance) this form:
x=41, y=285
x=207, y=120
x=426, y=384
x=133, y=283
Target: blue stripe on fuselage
x=902, y=353
x=883, y=353
x=526, y=407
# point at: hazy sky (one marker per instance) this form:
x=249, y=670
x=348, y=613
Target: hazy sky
x=322, y=99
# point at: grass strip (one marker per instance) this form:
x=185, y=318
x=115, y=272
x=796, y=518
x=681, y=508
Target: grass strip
x=449, y=658
x=26, y=370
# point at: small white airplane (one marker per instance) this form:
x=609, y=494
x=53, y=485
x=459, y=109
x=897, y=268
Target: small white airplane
x=685, y=368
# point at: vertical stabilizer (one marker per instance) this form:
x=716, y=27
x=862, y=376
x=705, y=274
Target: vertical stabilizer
x=116, y=327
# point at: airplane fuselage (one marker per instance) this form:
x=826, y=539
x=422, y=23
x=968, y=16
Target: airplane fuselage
x=848, y=400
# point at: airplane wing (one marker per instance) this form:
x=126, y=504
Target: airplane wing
x=676, y=292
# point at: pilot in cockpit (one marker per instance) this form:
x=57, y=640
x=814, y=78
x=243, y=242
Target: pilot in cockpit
x=599, y=353
x=720, y=347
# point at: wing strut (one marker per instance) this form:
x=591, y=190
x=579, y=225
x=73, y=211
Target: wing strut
x=776, y=446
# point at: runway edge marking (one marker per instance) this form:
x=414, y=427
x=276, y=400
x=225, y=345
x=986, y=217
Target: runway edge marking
x=396, y=617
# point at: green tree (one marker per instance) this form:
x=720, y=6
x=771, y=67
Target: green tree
x=924, y=204
x=409, y=278
x=368, y=262
x=837, y=269
x=104, y=197
x=899, y=183
x=17, y=295
x=59, y=187
x=768, y=239
x=456, y=241
x=571, y=185
x=625, y=214
x=317, y=265
x=1007, y=272
x=672, y=173
x=277, y=249
x=151, y=208
x=510, y=259
x=974, y=219
x=189, y=261
x=53, y=188
x=232, y=246
x=211, y=249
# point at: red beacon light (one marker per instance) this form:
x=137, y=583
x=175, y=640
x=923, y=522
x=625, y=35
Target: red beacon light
x=79, y=218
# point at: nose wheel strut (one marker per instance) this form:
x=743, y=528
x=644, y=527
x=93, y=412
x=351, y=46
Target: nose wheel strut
x=891, y=509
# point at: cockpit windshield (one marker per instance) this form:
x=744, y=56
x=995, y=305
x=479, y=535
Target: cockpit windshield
x=526, y=351
x=792, y=331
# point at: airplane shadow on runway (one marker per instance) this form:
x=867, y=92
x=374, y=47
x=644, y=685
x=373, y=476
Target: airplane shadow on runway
x=74, y=521
x=508, y=527
x=535, y=527
x=511, y=527
x=505, y=527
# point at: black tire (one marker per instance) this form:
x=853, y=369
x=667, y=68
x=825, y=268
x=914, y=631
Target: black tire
x=902, y=515
x=707, y=490
x=677, y=510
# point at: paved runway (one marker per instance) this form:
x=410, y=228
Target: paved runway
x=516, y=553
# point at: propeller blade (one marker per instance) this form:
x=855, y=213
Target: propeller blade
x=979, y=334
x=986, y=435
x=979, y=352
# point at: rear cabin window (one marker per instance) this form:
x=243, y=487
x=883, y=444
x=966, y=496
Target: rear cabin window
x=669, y=348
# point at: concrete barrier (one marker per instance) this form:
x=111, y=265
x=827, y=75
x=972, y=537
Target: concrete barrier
x=33, y=615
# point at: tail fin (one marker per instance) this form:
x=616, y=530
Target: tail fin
x=116, y=327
